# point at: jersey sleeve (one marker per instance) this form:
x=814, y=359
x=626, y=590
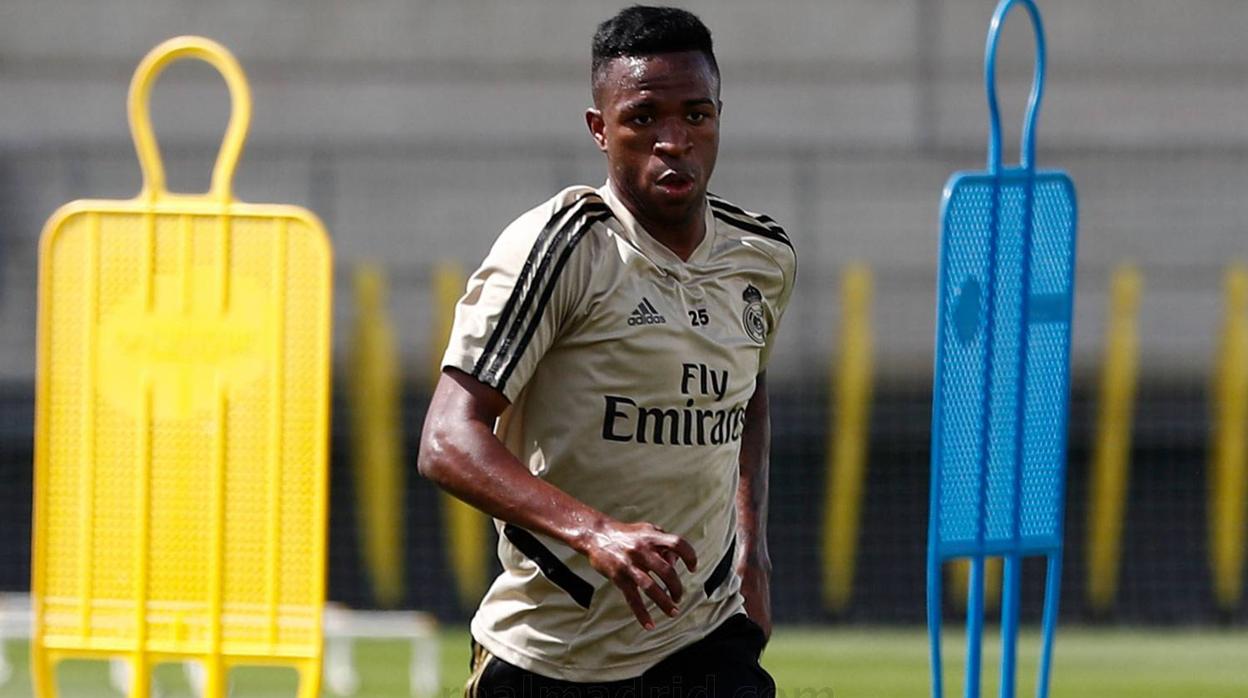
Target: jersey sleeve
x=524, y=293
x=786, y=258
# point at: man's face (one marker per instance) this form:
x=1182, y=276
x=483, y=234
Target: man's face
x=657, y=119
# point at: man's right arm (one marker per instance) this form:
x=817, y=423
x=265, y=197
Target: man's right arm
x=459, y=452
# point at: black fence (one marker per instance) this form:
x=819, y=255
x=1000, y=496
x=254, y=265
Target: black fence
x=1164, y=577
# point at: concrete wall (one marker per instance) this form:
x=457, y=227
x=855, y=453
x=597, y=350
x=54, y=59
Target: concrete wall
x=419, y=129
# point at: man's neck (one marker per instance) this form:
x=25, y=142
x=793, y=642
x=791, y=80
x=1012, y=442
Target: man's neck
x=682, y=237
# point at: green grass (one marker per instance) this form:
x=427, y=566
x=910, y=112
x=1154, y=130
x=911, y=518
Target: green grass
x=871, y=663
x=827, y=662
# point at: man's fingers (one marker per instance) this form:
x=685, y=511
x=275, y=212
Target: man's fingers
x=685, y=551
x=655, y=591
x=649, y=568
x=629, y=588
x=667, y=573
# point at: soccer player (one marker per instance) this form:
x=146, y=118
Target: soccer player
x=603, y=398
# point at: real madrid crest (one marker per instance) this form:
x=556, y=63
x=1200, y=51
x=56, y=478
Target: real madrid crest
x=752, y=318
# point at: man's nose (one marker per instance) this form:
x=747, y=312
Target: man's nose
x=673, y=139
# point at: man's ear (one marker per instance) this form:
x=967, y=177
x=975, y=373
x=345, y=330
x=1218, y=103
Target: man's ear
x=597, y=127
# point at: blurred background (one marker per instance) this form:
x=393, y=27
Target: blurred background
x=417, y=130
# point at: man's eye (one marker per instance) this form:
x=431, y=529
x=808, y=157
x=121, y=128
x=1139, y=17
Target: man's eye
x=642, y=119
x=697, y=117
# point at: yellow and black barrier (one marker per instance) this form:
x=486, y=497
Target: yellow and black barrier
x=1228, y=465
x=848, y=436
x=1110, y=472
x=375, y=388
x=960, y=582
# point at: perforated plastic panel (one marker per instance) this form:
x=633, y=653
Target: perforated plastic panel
x=173, y=358
x=986, y=312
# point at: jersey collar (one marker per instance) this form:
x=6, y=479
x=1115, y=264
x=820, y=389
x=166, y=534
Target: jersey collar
x=647, y=243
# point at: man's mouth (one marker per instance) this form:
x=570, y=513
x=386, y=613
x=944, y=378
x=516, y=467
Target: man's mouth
x=674, y=182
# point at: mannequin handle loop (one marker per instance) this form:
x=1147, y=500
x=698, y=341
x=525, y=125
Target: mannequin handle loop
x=1027, y=148
x=139, y=108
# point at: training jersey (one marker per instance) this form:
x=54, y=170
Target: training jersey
x=628, y=371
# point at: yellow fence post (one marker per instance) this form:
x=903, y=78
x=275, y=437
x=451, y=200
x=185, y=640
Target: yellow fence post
x=466, y=528
x=1228, y=467
x=375, y=389
x=1112, y=450
x=848, y=438
x=960, y=582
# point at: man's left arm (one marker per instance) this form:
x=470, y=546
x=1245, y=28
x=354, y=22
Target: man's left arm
x=755, y=561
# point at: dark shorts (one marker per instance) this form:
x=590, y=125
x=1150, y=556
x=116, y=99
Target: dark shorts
x=723, y=664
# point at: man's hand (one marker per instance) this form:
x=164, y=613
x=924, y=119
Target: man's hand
x=631, y=555
x=459, y=452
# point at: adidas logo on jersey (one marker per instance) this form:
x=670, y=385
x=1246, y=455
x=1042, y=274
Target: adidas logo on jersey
x=646, y=314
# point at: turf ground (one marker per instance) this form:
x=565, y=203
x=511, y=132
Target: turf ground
x=824, y=663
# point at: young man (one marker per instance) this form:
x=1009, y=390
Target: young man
x=618, y=338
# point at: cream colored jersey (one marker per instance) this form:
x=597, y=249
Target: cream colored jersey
x=628, y=372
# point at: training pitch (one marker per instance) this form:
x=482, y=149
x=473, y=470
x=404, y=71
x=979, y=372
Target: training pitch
x=819, y=663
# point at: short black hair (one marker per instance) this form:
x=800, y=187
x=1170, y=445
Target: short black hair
x=644, y=30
